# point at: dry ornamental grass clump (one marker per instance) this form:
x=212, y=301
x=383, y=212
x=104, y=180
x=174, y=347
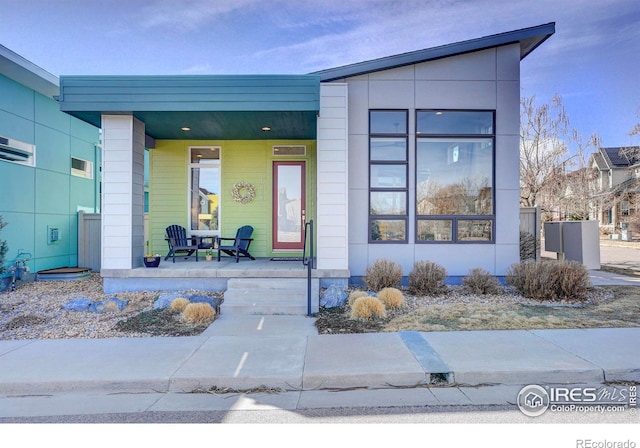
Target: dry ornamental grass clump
x=391, y=297
x=355, y=295
x=179, y=304
x=367, y=308
x=198, y=313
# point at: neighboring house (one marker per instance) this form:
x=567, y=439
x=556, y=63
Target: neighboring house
x=410, y=157
x=49, y=166
x=617, y=186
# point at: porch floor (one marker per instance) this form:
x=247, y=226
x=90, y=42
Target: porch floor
x=210, y=275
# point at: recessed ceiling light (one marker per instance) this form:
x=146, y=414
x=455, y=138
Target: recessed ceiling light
x=266, y=128
x=186, y=128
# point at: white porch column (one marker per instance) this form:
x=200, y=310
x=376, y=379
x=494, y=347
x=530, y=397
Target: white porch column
x=332, y=209
x=122, y=192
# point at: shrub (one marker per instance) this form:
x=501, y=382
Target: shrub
x=427, y=277
x=355, y=295
x=480, y=281
x=368, y=308
x=550, y=280
x=179, y=304
x=382, y=274
x=391, y=297
x=198, y=313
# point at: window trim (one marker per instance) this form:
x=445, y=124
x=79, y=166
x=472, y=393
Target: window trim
x=455, y=218
x=17, y=151
x=86, y=173
x=386, y=217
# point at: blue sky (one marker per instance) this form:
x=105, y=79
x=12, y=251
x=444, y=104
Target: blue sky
x=592, y=61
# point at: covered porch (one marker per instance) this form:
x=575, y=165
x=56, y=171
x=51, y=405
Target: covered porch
x=243, y=120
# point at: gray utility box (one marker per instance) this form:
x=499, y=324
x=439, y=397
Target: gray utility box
x=574, y=240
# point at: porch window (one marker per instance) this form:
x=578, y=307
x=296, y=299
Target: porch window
x=204, y=192
x=388, y=168
x=455, y=176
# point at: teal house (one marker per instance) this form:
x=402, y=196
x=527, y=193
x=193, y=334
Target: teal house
x=410, y=157
x=49, y=166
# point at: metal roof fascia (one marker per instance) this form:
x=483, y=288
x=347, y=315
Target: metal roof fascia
x=307, y=100
x=25, y=72
x=541, y=32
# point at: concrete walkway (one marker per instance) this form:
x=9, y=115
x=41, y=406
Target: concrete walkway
x=260, y=352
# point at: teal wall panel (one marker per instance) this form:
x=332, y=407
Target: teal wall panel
x=43, y=223
x=19, y=233
x=16, y=98
x=47, y=113
x=52, y=192
x=83, y=131
x=17, y=188
x=83, y=149
x=17, y=127
x=53, y=148
x=82, y=193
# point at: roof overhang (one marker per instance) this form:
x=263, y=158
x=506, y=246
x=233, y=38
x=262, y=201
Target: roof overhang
x=22, y=71
x=528, y=38
x=215, y=107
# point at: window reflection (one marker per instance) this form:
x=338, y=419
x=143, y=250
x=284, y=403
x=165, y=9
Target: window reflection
x=205, y=190
x=454, y=177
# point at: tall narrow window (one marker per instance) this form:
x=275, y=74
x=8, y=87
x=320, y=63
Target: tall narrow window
x=204, y=194
x=455, y=176
x=388, y=184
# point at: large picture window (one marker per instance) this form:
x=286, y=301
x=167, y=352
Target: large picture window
x=455, y=176
x=204, y=194
x=388, y=179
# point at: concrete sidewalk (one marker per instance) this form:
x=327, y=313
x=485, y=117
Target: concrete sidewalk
x=283, y=352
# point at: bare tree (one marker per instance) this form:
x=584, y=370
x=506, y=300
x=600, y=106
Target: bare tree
x=580, y=184
x=543, y=152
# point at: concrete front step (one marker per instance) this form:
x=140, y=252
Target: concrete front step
x=270, y=296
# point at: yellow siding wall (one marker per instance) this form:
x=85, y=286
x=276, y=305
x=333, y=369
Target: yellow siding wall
x=241, y=160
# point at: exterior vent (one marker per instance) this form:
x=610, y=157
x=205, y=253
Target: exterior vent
x=290, y=150
x=16, y=151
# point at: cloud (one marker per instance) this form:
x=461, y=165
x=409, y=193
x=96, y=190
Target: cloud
x=190, y=14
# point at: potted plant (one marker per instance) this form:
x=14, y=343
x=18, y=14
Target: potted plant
x=151, y=260
x=5, y=275
x=208, y=255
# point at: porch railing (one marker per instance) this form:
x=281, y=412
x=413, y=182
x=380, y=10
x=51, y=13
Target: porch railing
x=308, y=259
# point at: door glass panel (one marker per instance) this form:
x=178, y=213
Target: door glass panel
x=289, y=205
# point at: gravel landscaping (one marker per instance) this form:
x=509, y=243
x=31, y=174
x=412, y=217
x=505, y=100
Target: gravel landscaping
x=36, y=311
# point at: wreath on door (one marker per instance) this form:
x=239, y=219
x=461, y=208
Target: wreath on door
x=243, y=192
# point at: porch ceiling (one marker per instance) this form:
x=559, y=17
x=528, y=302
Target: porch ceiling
x=212, y=107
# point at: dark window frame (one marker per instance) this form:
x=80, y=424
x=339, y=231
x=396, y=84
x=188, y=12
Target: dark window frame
x=386, y=217
x=455, y=218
